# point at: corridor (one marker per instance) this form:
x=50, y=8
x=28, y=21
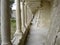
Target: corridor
x=37, y=35
x=34, y=22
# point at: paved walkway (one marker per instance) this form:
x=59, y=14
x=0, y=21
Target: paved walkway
x=37, y=35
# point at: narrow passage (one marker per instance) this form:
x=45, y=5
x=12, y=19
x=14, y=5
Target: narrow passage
x=37, y=35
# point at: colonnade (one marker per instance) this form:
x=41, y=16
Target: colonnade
x=21, y=20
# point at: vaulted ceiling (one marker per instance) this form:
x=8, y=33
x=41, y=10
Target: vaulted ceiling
x=35, y=4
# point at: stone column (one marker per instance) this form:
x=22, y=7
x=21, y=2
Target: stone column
x=18, y=17
x=18, y=34
x=23, y=16
x=5, y=22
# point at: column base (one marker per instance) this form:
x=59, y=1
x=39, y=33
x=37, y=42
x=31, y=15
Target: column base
x=9, y=43
x=17, y=38
x=25, y=25
x=18, y=32
x=23, y=29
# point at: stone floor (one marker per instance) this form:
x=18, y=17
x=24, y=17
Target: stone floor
x=37, y=35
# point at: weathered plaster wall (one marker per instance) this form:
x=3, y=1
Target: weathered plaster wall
x=53, y=39
x=44, y=15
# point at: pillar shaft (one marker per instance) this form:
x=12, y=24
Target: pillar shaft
x=25, y=14
x=5, y=22
x=18, y=17
x=18, y=33
x=22, y=16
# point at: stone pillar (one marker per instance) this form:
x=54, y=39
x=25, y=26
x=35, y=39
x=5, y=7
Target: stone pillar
x=5, y=22
x=18, y=17
x=25, y=14
x=22, y=16
x=18, y=34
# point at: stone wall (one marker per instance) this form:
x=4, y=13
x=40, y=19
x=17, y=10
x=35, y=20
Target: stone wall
x=44, y=15
x=55, y=24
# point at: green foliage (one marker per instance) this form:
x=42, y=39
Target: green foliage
x=11, y=1
x=13, y=23
x=13, y=27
